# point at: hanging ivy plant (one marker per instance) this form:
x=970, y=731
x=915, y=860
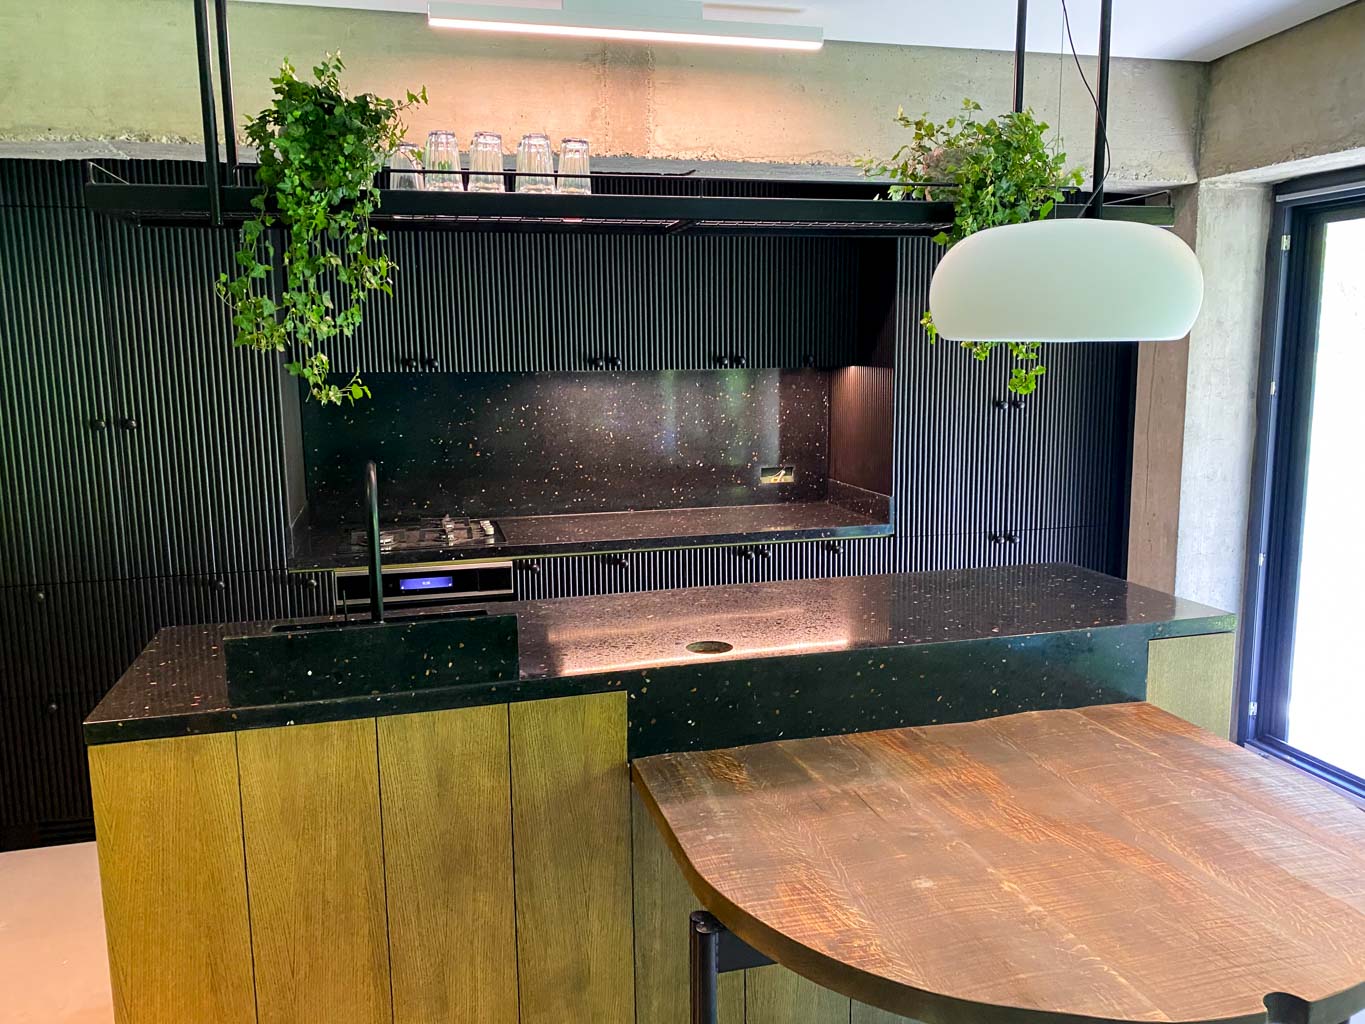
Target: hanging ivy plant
x=999, y=171
x=319, y=151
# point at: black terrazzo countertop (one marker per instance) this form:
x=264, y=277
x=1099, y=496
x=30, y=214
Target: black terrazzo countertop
x=319, y=547
x=809, y=657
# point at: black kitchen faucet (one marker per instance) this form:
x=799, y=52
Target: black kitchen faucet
x=376, y=564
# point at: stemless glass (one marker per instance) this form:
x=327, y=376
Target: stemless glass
x=535, y=164
x=405, y=169
x=443, y=154
x=485, y=163
x=573, y=160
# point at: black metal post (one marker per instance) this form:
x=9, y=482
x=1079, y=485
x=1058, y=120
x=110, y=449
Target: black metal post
x=225, y=82
x=1102, y=105
x=1020, y=41
x=703, y=951
x=211, y=180
x=376, y=557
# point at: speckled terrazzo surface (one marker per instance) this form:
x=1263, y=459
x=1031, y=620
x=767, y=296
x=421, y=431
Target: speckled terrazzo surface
x=808, y=657
x=515, y=444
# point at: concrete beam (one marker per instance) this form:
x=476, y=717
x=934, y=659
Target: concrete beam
x=1291, y=104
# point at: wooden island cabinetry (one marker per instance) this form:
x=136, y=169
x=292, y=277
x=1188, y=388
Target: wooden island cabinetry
x=475, y=854
x=327, y=866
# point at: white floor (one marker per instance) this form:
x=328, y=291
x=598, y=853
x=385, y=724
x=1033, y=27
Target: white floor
x=54, y=968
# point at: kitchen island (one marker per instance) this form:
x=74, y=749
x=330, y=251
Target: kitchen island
x=473, y=853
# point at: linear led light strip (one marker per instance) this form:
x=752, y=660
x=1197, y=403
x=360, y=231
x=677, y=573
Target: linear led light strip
x=800, y=38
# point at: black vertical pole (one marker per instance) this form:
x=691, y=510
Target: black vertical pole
x=376, y=565
x=1102, y=105
x=1020, y=39
x=703, y=950
x=201, y=32
x=225, y=78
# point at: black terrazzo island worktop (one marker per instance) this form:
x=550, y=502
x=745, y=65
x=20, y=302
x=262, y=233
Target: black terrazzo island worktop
x=807, y=657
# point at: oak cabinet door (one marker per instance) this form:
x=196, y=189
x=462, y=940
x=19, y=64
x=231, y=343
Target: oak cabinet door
x=571, y=829
x=310, y=816
x=447, y=802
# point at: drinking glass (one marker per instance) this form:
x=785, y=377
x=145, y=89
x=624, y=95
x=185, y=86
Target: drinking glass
x=573, y=160
x=535, y=164
x=443, y=154
x=405, y=167
x=485, y=163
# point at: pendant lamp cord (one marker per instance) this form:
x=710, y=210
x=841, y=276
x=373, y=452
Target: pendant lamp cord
x=1104, y=127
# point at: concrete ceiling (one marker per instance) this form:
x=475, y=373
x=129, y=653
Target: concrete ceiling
x=1198, y=30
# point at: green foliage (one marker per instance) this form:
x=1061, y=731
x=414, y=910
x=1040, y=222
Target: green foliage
x=998, y=172
x=319, y=151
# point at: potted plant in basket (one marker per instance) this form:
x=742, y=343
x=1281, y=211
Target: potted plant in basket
x=998, y=171
x=319, y=152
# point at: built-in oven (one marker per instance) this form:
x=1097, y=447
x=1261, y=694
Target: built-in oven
x=428, y=585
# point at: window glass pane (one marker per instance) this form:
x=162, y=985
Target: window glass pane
x=1326, y=715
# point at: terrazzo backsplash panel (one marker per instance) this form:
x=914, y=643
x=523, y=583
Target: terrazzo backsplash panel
x=512, y=444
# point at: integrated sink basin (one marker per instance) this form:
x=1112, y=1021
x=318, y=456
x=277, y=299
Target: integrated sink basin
x=322, y=661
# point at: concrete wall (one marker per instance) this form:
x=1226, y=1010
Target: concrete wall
x=1233, y=221
x=93, y=69
x=1291, y=104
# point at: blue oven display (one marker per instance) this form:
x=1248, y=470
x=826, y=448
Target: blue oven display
x=426, y=582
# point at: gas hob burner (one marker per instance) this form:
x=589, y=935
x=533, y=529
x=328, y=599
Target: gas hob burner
x=428, y=533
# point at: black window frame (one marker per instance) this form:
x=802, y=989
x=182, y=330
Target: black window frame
x=1302, y=209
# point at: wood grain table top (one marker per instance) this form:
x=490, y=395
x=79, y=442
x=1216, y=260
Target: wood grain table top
x=1111, y=863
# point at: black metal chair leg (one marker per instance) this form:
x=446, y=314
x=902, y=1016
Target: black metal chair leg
x=703, y=959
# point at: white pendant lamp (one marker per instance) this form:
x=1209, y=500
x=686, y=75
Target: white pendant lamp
x=1083, y=279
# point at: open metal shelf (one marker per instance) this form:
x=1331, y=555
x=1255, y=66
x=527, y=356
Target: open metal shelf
x=818, y=209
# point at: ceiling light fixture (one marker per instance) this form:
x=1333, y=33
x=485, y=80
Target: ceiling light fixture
x=1086, y=279
x=676, y=21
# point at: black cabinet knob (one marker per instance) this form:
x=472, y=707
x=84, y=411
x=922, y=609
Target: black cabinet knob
x=738, y=360
x=99, y=423
x=431, y=363
x=833, y=547
x=311, y=582
x=128, y=423
x=594, y=362
x=616, y=561
x=52, y=707
x=532, y=567
x=720, y=361
x=40, y=596
x=613, y=362
x=408, y=362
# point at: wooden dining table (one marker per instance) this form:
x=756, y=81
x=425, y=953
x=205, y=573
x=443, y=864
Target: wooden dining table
x=1109, y=863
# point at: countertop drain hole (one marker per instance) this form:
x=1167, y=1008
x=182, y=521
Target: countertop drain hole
x=710, y=647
